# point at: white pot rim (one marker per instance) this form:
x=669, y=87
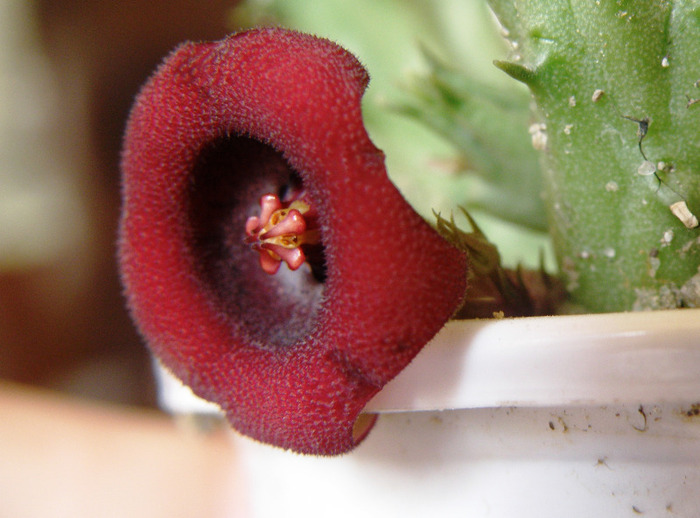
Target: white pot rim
x=600, y=359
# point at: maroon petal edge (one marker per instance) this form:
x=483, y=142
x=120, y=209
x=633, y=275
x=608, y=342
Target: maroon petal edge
x=292, y=361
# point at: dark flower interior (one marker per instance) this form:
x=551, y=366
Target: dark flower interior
x=229, y=178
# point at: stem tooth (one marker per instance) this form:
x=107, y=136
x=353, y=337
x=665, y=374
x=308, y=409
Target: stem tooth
x=518, y=72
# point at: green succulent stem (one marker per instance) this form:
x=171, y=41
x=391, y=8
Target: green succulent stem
x=617, y=122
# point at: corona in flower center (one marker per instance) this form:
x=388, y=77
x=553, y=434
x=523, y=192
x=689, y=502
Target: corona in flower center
x=280, y=230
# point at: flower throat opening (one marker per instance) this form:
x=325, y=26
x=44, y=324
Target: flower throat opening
x=248, y=213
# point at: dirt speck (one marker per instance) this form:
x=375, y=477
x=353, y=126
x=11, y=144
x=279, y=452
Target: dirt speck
x=645, y=425
x=691, y=412
x=602, y=462
x=565, y=427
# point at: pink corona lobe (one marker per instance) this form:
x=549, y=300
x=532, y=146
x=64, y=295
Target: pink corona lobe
x=280, y=231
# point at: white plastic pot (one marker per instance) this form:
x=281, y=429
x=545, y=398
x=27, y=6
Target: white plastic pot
x=567, y=416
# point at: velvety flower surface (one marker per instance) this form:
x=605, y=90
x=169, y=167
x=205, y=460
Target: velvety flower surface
x=241, y=155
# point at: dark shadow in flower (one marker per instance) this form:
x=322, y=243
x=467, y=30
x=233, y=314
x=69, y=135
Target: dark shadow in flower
x=229, y=178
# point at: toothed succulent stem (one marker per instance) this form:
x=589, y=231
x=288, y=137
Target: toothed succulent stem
x=618, y=126
x=495, y=291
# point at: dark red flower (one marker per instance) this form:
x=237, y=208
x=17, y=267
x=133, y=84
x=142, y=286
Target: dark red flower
x=224, y=142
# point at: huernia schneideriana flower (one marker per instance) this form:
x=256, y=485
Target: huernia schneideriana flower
x=247, y=153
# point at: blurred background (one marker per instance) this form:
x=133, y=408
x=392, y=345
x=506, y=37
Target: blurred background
x=80, y=434
x=69, y=71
